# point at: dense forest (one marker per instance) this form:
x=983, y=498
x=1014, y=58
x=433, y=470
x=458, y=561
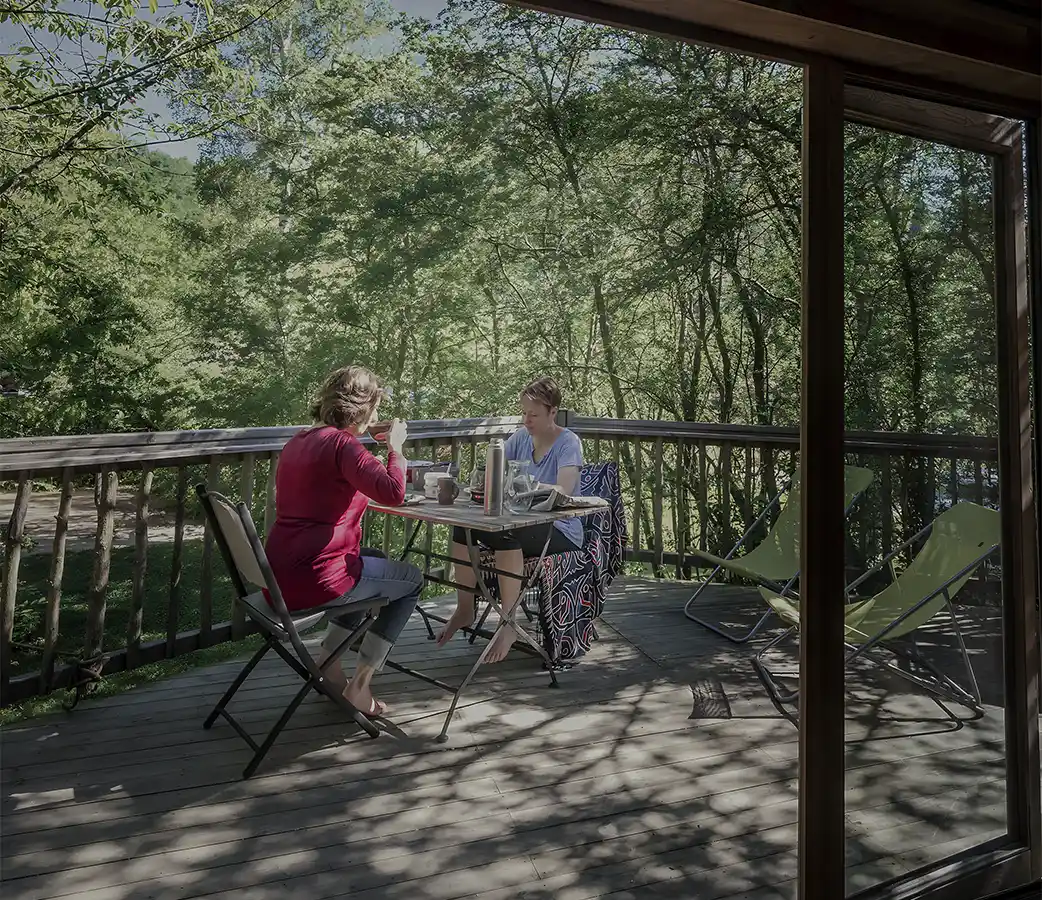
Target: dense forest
x=460, y=203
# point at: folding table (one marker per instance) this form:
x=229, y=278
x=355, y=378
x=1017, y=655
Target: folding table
x=470, y=517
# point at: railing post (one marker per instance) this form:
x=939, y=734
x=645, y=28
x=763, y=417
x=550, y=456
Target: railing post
x=173, y=610
x=13, y=551
x=137, y=603
x=94, y=645
x=54, y=587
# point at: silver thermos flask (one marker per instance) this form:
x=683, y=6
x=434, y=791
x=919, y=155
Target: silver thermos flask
x=495, y=470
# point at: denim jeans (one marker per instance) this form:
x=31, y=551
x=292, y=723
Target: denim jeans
x=401, y=584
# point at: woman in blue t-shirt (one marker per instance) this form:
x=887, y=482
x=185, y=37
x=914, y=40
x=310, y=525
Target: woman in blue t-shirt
x=554, y=455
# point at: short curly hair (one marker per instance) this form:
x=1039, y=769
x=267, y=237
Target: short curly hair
x=348, y=397
x=543, y=390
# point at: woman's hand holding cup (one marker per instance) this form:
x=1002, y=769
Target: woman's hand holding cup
x=396, y=435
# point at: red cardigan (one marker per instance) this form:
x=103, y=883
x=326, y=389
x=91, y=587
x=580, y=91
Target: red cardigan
x=322, y=487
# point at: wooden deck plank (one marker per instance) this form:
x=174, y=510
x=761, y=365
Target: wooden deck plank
x=603, y=788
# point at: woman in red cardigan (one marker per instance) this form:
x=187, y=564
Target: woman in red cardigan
x=323, y=484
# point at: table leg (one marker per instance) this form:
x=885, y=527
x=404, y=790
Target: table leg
x=506, y=620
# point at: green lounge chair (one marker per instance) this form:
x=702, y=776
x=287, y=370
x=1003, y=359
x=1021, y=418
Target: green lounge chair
x=774, y=563
x=957, y=542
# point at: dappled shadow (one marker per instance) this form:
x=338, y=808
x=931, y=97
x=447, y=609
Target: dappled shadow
x=605, y=786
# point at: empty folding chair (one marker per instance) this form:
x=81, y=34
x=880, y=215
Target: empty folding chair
x=774, y=563
x=956, y=543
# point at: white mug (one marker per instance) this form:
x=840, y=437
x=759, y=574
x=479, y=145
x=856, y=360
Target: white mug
x=430, y=484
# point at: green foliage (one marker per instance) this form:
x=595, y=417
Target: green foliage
x=462, y=204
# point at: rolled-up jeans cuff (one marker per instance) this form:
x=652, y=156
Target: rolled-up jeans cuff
x=374, y=650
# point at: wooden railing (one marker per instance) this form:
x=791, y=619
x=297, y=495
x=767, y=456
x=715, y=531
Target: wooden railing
x=697, y=486
x=149, y=587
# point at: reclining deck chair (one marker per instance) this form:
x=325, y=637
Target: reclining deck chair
x=957, y=542
x=774, y=563
x=243, y=554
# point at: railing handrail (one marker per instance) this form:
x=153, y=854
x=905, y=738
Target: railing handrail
x=961, y=446
x=92, y=452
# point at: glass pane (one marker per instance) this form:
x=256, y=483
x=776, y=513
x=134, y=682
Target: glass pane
x=924, y=711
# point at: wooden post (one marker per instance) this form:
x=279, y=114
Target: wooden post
x=680, y=511
x=455, y=459
x=821, y=798
x=749, y=512
x=213, y=479
x=726, y=453
x=1033, y=135
x=137, y=600
x=1020, y=621
x=637, y=486
x=930, y=501
x=13, y=549
x=656, y=507
x=703, y=497
x=428, y=530
x=54, y=585
x=173, y=612
x=246, y=495
x=99, y=588
x=888, y=507
x=269, y=496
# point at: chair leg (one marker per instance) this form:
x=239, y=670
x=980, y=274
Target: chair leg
x=717, y=628
x=778, y=693
x=480, y=622
x=235, y=685
x=965, y=654
x=262, y=751
x=426, y=622
x=940, y=685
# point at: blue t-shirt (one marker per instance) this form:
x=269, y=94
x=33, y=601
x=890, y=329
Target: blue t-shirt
x=567, y=450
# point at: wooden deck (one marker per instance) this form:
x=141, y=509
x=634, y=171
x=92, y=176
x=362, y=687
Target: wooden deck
x=658, y=769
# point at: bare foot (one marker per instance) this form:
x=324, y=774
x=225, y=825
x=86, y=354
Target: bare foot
x=501, y=645
x=459, y=619
x=363, y=700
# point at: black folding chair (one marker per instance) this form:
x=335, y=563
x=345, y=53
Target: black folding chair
x=243, y=554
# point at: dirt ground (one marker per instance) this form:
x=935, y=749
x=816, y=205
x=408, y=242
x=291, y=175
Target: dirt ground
x=83, y=521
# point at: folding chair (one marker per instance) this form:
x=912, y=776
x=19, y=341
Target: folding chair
x=243, y=554
x=568, y=589
x=774, y=563
x=957, y=542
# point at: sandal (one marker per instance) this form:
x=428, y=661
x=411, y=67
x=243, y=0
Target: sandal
x=377, y=708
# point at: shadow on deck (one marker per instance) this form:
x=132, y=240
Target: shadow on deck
x=659, y=768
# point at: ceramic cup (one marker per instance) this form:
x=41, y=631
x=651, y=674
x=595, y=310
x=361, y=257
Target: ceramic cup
x=448, y=490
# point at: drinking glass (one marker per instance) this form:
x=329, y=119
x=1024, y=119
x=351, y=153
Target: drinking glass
x=519, y=481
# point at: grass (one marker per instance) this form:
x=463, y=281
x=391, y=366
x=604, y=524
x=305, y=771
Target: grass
x=124, y=681
x=32, y=598
x=33, y=584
